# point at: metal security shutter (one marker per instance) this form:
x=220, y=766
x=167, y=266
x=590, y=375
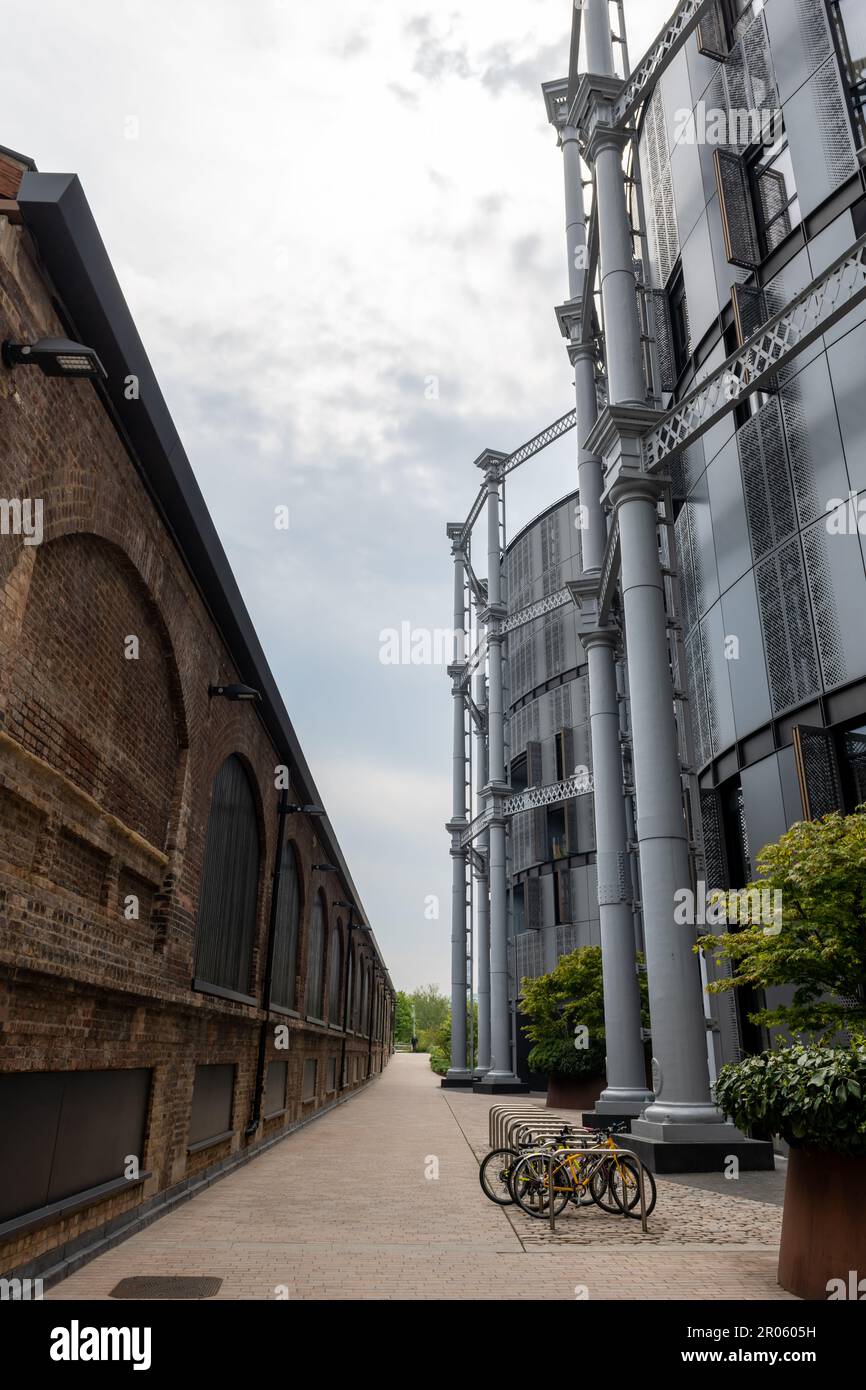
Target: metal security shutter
x=63, y=1133
x=212, y=1094
x=817, y=772
x=286, y=925
x=742, y=246
x=314, y=1001
x=786, y=622
x=275, y=1088
x=335, y=969
x=712, y=34
x=226, y=923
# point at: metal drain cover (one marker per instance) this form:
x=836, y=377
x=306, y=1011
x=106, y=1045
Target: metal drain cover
x=166, y=1286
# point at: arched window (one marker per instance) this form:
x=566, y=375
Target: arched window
x=315, y=998
x=356, y=1001
x=350, y=997
x=335, y=970
x=286, y=924
x=365, y=1000
x=226, y=923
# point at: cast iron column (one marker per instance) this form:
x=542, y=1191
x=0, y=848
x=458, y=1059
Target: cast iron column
x=626, y=1091
x=458, y=1073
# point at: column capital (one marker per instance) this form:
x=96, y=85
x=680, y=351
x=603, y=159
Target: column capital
x=594, y=103
x=617, y=434
x=490, y=617
x=569, y=316
x=490, y=462
x=591, y=630
x=605, y=137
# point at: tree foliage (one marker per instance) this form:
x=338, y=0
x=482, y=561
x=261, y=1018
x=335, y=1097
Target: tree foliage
x=819, y=946
x=562, y=1004
x=402, y=1019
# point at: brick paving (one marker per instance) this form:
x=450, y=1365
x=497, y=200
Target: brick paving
x=380, y=1199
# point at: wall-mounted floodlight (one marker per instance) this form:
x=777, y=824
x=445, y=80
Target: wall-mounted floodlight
x=233, y=692
x=326, y=868
x=305, y=811
x=55, y=357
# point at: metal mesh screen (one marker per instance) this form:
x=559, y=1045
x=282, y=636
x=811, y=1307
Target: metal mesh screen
x=786, y=622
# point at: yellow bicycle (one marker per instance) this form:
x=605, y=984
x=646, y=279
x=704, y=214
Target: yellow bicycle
x=573, y=1176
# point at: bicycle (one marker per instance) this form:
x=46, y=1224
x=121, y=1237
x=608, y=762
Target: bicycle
x=612, y=1185
x=497, y=1167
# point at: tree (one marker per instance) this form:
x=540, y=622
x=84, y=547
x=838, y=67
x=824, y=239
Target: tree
x=818, y=943
x=431, y=1008
x=402, y=1019
x=566, y=1013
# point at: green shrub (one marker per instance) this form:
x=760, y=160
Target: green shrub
x=811, y=1096
x=818, y=946
x=557, y=1005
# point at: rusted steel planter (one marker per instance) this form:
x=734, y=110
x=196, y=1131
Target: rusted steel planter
x=823, y=1225
x=573, y=1092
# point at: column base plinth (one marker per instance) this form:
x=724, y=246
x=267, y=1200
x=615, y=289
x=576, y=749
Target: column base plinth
x=499, y=1083
x=457, y=1077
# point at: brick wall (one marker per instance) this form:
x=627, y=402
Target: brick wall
x=108, y=752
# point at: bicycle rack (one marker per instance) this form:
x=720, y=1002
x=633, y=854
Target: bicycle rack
x=609, y=1155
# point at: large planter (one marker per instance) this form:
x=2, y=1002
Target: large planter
x=573, y=1092
x=823, y=1225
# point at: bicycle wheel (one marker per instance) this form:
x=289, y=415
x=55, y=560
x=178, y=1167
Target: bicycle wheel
x=530, y=1181
x=624, y=1186
x=601, y=1194
x=495, y=1174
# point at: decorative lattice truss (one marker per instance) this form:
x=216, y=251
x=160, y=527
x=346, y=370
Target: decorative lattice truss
x=479, y=718
x=461, y=681
x=477, y=509
x=827, y=300
x=541, y=441
x=609, y=571
x=662, y=53
x=537, y=610
x=475, y=828
x=478, y=586
x=530, y=800
x=535, y=797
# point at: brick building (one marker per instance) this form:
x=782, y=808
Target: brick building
x=161, y=881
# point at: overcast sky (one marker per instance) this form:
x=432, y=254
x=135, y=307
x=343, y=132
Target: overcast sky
x=313, y=209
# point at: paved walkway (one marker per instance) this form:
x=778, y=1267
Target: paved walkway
x=380, y=1200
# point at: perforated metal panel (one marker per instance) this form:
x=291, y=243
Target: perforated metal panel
x=715, y=865
x=786, y=622
x=833, y=125
x=742, y=247
x=533, y=910
x=528, y=958
x=831, y=645
x=698, y=697
x=712, y=37
x=661, y=323
x=554, y=645
x=767, y=487
x=539, y=835
x=686, y=565
x=712, y=713
x=818, y=772
x=567, y=940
